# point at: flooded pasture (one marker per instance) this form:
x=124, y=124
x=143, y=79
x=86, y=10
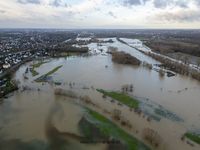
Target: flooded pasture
x=37, y=118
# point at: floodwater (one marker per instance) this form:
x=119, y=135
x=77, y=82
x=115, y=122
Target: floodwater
x=39, y=118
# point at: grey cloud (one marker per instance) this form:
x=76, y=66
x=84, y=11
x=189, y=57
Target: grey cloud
x=131, y=2
x=29, y=1
x=112, y=14
x=197, y=2
x=97, y=9
x=144, y=1
x=165, y=3
x=161, y=3
x=58, y=3
x=180, y=16
x=182, y=3
x=2, y=11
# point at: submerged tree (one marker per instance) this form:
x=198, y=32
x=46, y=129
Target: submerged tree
x=152, y=137
x=161, y=72
x=116, y=114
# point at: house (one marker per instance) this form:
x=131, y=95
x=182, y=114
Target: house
x=25, y=56
x=6, y=65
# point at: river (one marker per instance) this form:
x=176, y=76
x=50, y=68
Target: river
x=23, y=115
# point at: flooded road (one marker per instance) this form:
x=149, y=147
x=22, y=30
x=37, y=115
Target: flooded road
x=28, y=116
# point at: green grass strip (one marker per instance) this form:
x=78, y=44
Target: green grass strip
x=193, y=137
x=37, y=65
x=34, y=73
x=42, y=78
x=110, y=129
x=121, y=97
x=53, y=70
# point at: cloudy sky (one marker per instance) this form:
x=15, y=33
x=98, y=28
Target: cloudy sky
x=99, y=14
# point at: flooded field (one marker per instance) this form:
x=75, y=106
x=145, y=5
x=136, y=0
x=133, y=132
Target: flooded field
x=35, y=118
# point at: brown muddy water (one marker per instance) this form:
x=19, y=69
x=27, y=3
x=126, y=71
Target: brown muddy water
x=37, y=119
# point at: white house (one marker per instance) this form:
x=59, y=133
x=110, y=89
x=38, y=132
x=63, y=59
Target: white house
x=6, y=66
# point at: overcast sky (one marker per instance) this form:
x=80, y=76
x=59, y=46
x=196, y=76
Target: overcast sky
x=100, y=14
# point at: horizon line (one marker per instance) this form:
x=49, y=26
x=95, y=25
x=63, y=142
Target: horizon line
x=49, y=28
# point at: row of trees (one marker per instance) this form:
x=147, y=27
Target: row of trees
x=124, y=58
x=181, y=68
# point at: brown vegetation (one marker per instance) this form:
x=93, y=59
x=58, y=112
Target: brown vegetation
x=171, y=46
x=87, y=100
x=127, y=88
x=116, y=114
x=147, y=65
x=181, y=68
x=126, y=123
x=152, y=137
x=63, y=92
x=124, y=58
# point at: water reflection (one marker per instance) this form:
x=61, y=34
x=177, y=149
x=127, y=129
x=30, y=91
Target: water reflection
x=17, y=144
x=57, y=139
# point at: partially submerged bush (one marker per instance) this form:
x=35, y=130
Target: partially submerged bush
x=176, y=66
x=147, y=65
x=152, y=137
x=161, y=72
x=112, y=49
x=127, y=88
x=116, y=114
x=63, y=92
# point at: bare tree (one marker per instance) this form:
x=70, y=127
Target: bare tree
x=186, y=59
x=152, y=137
x=198, y=62
x=116, y=114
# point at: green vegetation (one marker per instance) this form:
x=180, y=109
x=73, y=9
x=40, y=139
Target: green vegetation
x=57, y=83
x=121, y=97
x=194, y=137
x=90, y=131
x=10, y=86
x=34, y=73
x=37, y=65
x=43, y=78
x=167, y=114
x=53, y=70
x=66, y=54
x=109, y=129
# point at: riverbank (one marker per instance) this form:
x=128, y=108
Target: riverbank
x=9, y=87
x=169, y=63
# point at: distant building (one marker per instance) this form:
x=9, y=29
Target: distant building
x=6, y=66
